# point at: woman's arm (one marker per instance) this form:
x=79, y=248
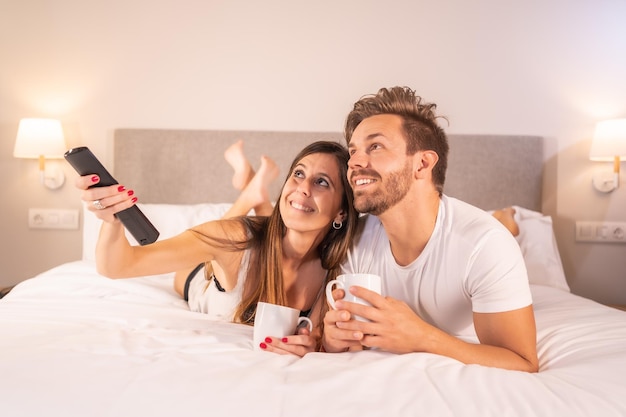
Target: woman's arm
x=117, y=258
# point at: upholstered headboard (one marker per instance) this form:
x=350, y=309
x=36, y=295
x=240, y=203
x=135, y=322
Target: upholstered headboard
x=188, y=166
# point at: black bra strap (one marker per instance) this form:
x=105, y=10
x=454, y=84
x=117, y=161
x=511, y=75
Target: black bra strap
x=188, y=280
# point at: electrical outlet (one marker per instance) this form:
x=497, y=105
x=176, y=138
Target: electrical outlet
x=39, y=218
x=609, y=232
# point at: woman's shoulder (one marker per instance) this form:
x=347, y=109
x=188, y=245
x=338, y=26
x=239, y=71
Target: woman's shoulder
x=233, y=228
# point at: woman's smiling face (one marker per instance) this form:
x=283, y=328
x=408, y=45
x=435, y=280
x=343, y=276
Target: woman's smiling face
x=312, y=195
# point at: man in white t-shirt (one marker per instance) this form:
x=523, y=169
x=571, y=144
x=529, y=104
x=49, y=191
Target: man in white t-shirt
x=454, y=280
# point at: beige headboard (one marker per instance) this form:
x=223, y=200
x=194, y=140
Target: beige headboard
x=188, y=166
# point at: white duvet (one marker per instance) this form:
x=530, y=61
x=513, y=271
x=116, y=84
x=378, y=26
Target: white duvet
x=73, y=343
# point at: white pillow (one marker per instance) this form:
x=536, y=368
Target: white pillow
x=538, y=244
x=536, y=237
x=169, y=219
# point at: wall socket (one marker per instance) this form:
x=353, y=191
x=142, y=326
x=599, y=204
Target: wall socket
x=609, y=232
x=39, y=218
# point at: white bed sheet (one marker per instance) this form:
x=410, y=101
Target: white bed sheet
x=73, y=343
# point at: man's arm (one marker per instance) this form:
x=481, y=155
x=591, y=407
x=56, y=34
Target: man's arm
x=507, y=339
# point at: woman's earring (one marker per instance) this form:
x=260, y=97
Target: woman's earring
x=337, y=226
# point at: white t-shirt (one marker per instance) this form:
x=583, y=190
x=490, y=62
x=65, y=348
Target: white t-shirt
x=471, y=263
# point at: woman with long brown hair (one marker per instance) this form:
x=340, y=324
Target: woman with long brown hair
x=284, y=258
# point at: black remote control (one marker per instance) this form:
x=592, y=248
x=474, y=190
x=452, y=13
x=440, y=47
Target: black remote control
x=85, y=162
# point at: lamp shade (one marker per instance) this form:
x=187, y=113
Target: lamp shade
x=39, y=137
x=609, y=141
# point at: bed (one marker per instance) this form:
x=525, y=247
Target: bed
x=74, y=343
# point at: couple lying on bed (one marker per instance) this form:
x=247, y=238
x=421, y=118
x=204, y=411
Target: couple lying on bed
x=454, y=281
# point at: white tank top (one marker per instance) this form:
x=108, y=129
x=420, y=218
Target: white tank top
x=205, y=297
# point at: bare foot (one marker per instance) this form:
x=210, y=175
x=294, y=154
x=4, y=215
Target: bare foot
x=257, y=190
x=505, y=216
x=256, y=194
x=243, y=170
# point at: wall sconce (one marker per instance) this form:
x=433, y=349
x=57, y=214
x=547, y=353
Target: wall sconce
x=609, y=144
x=41, y=139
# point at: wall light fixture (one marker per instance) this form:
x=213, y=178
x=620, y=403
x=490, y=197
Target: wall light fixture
x=609, y=144
x=41, y=139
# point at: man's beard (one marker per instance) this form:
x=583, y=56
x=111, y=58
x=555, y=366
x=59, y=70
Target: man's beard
x=393, y=190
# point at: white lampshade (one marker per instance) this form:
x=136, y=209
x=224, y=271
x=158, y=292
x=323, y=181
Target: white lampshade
x=39, y=137
x=609, y=141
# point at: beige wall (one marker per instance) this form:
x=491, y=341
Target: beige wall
x=550, y=68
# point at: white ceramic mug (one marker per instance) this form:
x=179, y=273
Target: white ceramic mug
x=370, y=281
x=274, y=320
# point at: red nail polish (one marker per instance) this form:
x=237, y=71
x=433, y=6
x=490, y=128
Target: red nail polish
x=130, y=192
x=284, y=340
x=263, y=345
x=134, y=199
x=268, y=340
x=94, y=178
x=121, y=188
